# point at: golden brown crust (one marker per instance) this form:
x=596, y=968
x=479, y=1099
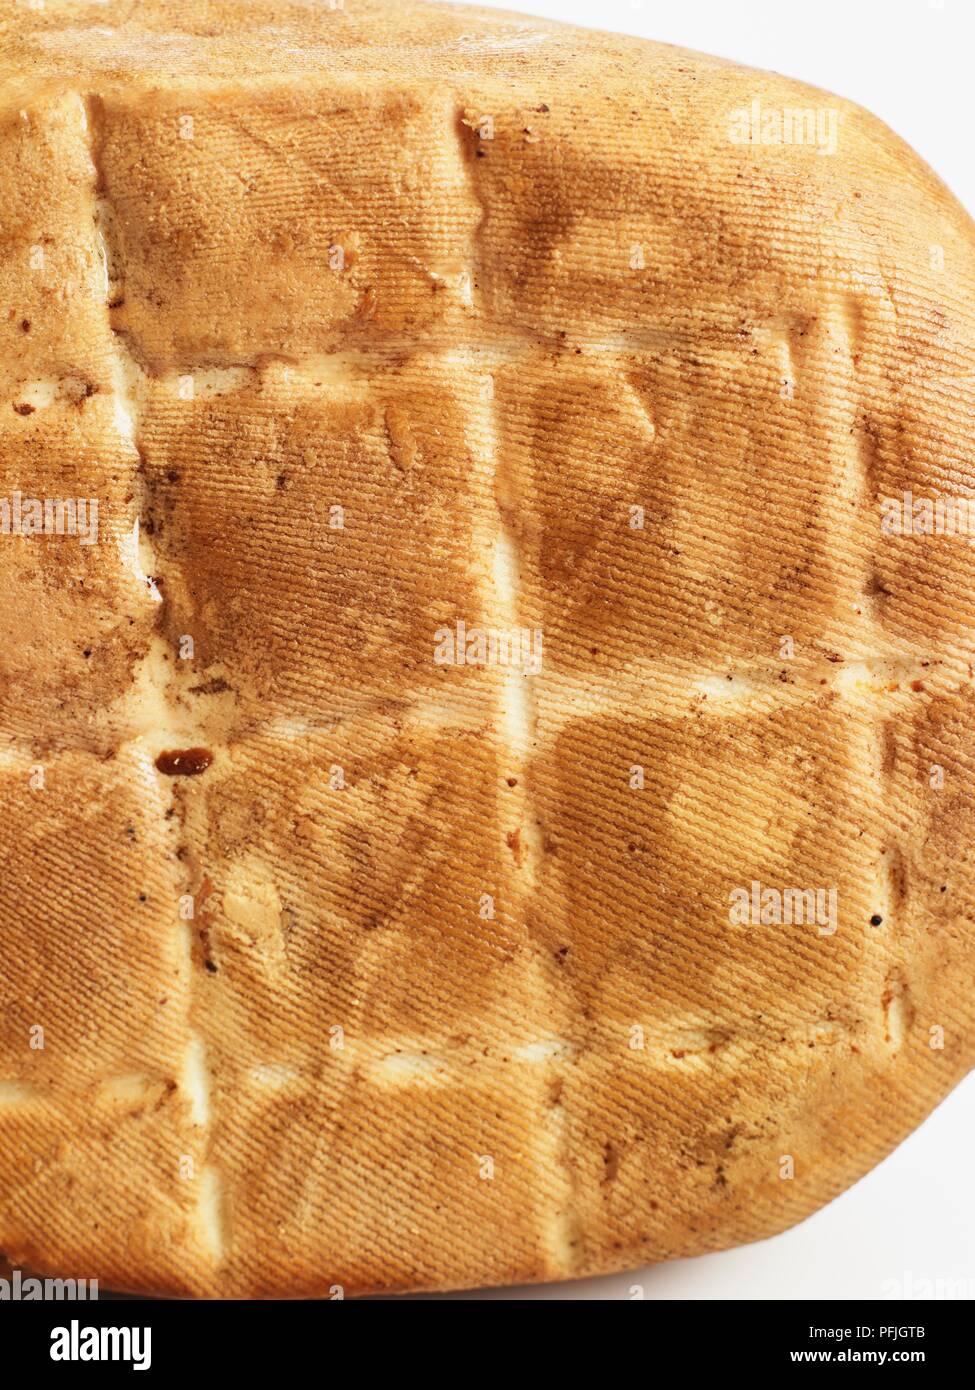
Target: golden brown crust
x=380, y=317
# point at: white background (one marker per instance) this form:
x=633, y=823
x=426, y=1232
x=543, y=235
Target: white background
x=911, y=62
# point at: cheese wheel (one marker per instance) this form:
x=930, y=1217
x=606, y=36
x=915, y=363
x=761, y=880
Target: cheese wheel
x=487, y=613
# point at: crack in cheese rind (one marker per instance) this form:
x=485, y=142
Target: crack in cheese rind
x=149, y=707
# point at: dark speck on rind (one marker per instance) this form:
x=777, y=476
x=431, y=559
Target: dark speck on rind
x=876, y=920
x=184, y=762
